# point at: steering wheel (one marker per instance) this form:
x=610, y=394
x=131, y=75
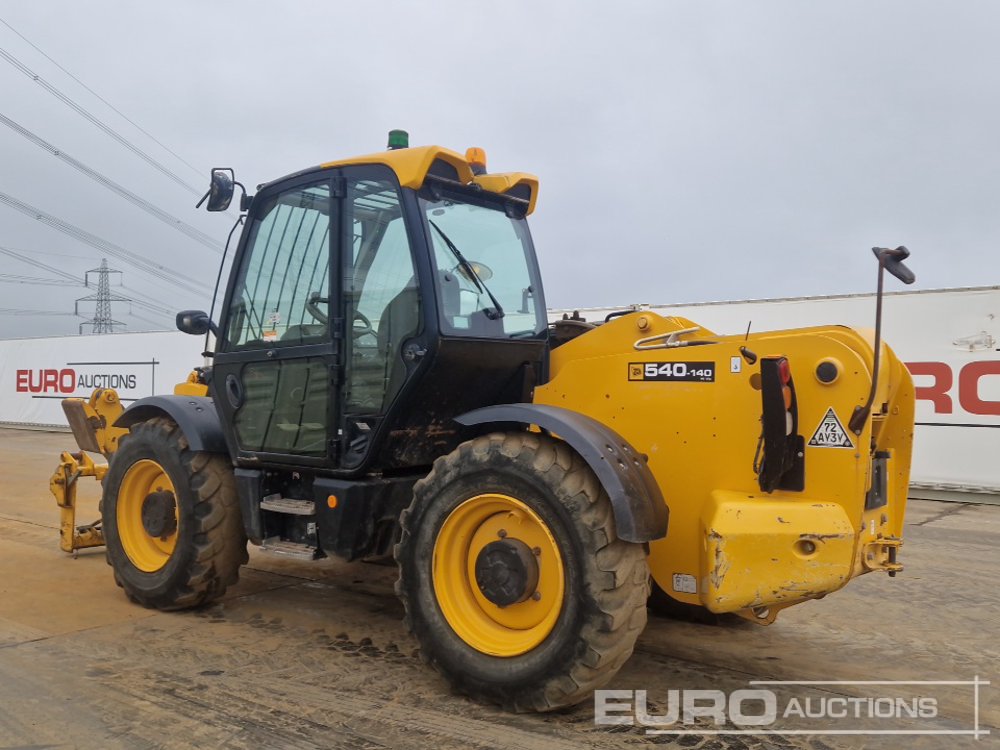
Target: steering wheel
x=311, y=308
x=365, y=328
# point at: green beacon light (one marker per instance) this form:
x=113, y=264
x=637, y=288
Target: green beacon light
x=398, y=139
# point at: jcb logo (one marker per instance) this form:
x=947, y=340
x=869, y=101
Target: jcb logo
x=970, y=386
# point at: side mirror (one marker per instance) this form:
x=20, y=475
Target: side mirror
x=220, y=191
x=195, y=322
x=892, y=259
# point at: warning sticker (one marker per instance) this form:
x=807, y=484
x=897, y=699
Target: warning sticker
x=831, y=433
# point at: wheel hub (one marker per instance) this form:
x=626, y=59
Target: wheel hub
x=159, y=514
x=506, y=572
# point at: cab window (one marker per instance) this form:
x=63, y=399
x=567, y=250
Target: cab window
x=281, y=295
x=484, y=261
x=381, y=295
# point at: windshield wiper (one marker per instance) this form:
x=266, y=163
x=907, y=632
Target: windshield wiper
x=493, y=314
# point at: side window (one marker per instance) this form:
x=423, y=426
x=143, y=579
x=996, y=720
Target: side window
x=282, y=292
x=380, y=290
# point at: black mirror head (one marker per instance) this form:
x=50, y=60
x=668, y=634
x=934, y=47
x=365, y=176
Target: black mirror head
x=220, y=192
x=195, y=322
x=892, y=259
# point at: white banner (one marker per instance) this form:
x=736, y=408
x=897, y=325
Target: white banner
x=949, y=340
x=36, y=374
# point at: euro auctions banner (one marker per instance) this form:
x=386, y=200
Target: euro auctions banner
x=36, y=374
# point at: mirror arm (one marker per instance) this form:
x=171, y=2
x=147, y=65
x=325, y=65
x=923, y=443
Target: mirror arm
x=891, y=260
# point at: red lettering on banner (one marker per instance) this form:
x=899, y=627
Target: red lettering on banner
x=46, y=381
x=67, y=381
x=937, y=393
x=968, y=388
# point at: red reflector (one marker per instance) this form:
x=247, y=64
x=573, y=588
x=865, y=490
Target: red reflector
x=784, y=371
x=787, y=393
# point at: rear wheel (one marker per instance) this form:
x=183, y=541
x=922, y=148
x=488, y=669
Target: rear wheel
x=513, y=579
x=171, y=519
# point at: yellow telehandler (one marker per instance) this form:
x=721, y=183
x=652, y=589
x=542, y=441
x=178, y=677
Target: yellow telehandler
x=384, y=383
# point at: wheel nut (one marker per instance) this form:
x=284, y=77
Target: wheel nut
x=536, y=551
x=536, y=596
x=502, y=533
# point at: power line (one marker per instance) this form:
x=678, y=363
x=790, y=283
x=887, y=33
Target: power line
x=38, y=264
x=121, y=114
x=21, y=311
x=151, y=322
x=136, y=200
x=9, y=278
x=72, y=280
x=147, y=304
x=180, y=280
x=118, y=137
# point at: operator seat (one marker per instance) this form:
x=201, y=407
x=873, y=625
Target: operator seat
x=400, y=320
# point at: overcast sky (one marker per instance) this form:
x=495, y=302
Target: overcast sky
x=687, y=151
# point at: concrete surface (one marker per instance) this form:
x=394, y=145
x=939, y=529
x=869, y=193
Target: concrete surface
x=315, y=656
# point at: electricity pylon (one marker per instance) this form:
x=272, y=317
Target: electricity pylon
x=102, y=321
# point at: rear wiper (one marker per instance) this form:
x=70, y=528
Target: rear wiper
x=497, y=312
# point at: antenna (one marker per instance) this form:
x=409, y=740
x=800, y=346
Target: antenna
x=102, y=322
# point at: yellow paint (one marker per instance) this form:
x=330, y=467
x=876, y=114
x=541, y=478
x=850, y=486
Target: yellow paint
x=147, y=553
x=486, y=627
x=412, y=164
x=92, y=421
x=700, y=439
x=759, y=551
x=62, y=484
x=192, y=386
x=504, y=182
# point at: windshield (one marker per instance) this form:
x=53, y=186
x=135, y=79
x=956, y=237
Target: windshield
x=485, y=273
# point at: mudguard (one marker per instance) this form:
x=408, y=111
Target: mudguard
x=641, y=514
x=195, y=415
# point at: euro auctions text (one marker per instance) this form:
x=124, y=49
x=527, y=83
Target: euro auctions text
x=816, y=707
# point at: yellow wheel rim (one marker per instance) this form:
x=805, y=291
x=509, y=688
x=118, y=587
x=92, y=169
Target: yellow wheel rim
x=487, y=627
x=148, y=553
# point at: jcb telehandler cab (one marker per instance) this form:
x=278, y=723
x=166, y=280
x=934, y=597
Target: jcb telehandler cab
x=384, y=382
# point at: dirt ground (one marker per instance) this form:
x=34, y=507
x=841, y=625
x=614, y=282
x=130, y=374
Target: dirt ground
x=303, y=655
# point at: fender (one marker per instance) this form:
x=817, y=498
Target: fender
x=195, y=415
x=641, y=514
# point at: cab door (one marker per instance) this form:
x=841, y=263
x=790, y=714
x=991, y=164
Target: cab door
x=277, y=360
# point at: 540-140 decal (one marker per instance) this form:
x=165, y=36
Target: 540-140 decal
x=675, y=372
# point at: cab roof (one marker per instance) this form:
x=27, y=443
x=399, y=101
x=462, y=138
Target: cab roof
x=413, y=165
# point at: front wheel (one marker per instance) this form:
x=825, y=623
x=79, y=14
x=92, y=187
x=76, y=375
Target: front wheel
x=171, y=519
x=514, y=581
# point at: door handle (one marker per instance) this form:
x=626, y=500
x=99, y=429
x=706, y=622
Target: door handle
x=413, y=351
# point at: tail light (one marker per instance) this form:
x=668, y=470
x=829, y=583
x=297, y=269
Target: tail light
x=782, y=465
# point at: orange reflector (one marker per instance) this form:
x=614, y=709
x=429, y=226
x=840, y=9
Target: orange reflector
x=787, y=393
x=332, y=501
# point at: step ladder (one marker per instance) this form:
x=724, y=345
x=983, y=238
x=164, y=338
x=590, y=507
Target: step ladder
x=281, y=547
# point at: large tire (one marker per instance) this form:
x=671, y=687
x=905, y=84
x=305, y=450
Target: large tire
x=545, y=491
x=197, y=553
